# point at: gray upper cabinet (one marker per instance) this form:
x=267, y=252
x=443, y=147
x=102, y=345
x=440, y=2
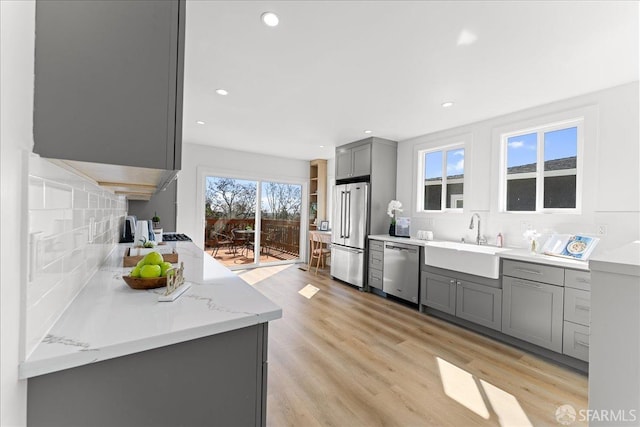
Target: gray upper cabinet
x=353, y=160
x=108, y=82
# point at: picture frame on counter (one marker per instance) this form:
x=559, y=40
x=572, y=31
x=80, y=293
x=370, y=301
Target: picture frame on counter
x=324, y=225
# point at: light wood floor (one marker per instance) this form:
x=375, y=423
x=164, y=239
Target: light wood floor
x=348, y=358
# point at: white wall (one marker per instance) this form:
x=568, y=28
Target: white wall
x=16, y=111
x=199, y=161
x=611, y=193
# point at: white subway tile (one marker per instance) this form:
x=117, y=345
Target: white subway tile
x=57, y=196
x=64, y=212
x=80, y=199
x=94, y=201
x=36, y=193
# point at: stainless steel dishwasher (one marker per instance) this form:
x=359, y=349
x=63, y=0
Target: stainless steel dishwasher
x=400, y=270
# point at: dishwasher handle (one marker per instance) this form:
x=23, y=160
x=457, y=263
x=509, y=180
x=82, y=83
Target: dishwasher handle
x=400, y=248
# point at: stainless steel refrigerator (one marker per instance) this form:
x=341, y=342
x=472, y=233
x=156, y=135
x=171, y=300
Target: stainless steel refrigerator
x=349, y=232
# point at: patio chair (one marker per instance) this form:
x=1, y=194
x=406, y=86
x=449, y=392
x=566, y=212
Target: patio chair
x=319, y=251
x=218, y=240
x=242, y=241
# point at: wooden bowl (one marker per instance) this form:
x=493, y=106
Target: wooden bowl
x=140, y=283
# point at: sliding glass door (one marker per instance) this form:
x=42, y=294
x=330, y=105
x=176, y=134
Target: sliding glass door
x=252, y=222
x=280, y=216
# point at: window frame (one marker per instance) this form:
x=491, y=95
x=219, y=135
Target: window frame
x=444, y=147
x=540, y=174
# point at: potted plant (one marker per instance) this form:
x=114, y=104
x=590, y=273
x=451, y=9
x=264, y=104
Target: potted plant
x=394, y=206
x=155, y=220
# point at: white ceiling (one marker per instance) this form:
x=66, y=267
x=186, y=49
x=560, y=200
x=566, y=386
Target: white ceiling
x=332, y=69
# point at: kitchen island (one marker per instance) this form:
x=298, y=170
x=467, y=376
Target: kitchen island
x=118, y=356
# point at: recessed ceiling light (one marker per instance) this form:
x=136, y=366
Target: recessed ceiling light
x=368, y=131
x=447, y=104
x=222, y=92
x=270, y=19
x=466, y=38
x=200, y=122
x=322, y=146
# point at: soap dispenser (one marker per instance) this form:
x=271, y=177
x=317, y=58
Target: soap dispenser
x=499, y=240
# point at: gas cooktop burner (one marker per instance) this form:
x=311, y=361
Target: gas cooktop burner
x=175, y=237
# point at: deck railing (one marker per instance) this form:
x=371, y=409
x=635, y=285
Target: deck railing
x=276, y=235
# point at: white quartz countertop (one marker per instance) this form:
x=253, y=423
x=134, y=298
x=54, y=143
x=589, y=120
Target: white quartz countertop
x=623, y=260
x=518, y=254
x=525, y=255
x=108, y=319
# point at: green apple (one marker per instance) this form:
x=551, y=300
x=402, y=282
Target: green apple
x=149, y=271
x=135, y=272
x=153, y=258
x=140, y=263
x=164, y=267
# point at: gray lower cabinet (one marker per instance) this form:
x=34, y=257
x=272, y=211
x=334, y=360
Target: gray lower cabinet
x=479, y=304
x=577, y=314
x=215, y=380
x=376, y=261
x=576, y=341
x=108, y=82
x=533, y=312
x=438, y=292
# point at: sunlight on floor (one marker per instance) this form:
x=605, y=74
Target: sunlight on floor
x=505, y=405
x=461, y=386
x=480, y=396
x=256, y=275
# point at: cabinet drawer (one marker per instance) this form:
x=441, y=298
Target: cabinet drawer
x=535, y=272
x=576, y=341
x=375, y=260
x=375, y=279
x=577, y=279
x=577, y=306
x=376, y=245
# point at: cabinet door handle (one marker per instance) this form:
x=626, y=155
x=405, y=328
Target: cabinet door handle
x=525, y=270
x=458, y=282
x=583, y=307
x=452, y=282
x=530, y=284
x=582, y=343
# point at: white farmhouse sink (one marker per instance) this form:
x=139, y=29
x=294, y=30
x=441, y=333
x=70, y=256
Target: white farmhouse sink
x=464, y=257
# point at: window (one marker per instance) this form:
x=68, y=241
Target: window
x=540, y=169
x=442, y=179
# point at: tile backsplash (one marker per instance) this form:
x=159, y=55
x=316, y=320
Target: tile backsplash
x=73, y=226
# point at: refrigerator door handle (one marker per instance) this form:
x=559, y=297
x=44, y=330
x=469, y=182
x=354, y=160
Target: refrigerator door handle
x=348, y=216
x=342, y=200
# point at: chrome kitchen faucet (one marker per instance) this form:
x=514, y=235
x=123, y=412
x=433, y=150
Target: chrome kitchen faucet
x=479, y=240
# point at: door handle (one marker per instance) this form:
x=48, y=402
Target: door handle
x=526, y=270
x=342, y=216
x=530, y=284
x=348, y=234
